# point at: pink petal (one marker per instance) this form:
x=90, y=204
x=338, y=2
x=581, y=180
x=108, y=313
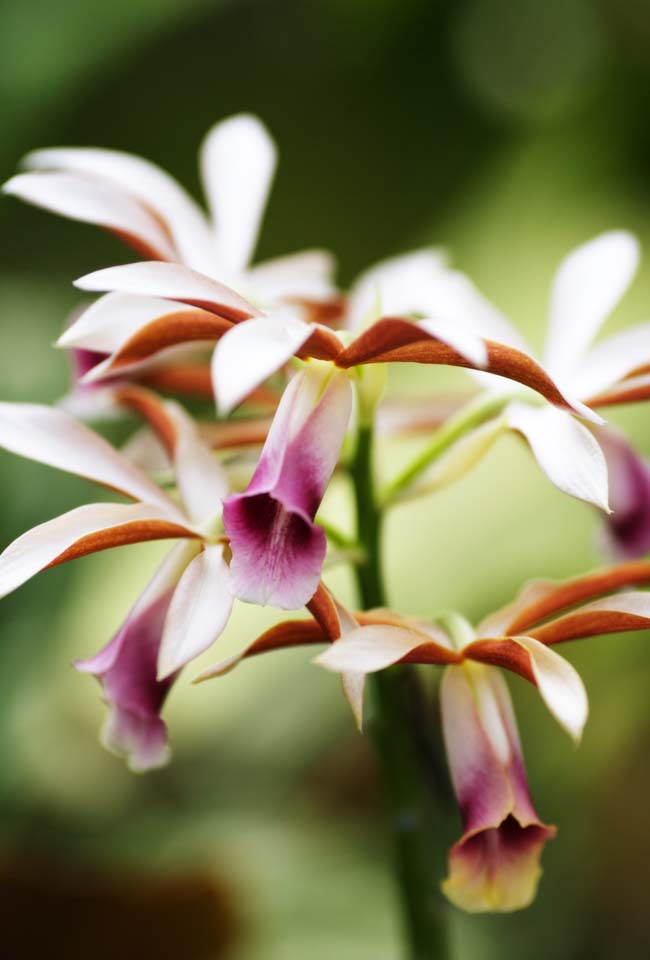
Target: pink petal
x=126, y=669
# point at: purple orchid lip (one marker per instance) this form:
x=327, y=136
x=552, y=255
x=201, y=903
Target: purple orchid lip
x=83, y=361
x=495, y=864
x=126, y=668
x=277, y=549
x=627, y=530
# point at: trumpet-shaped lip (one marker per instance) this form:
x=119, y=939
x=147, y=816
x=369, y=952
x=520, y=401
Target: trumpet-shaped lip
x=277, y=550
x=497, y=869
x=126, y=669
x=495, y=864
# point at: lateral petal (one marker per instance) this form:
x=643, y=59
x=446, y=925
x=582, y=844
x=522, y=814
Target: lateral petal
x=588, y=284
x=198, y=612
x=140, y=179
x=305, y=275
x=567, y=452
x=238, y=160
x=91, y=201
x=249, y=353
x=87, y=529
x=51, y=436
x=170, y=281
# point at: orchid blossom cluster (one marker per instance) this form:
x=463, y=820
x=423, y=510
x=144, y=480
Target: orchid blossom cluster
x=297, y=368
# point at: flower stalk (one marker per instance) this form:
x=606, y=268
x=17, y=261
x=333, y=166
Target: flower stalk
x=414, y=794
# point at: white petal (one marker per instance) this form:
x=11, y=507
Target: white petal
x=111, y=320
x=468, y=344
x=307, y=274
x=146, y=451
x=172, y=281
x=238, y=160
x=613, y=359
x=369, y=649
x=588, y=285
x=40, y=546
x=201, y=480
x=199, y=610
x=566, y=451
x=50, y=435
x=91, y=201
x=559, y=685
x=421, y=282
x=146, y=182
x=251, y=352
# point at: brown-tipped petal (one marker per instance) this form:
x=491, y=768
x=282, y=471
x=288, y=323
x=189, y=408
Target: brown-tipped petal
x=192, y=379
x=393, y=340
x=632, y=390
x=501, y=652
x=323, y=609
x=179, y=326
x=151, y=408
x=235, y=433
x=321, y=344
x=199, y=475
x=543, y=598
x=85, y=530
x=558, y=683
x=170, y=281
x=290, y=633
x=329, y=312
x=617, y=614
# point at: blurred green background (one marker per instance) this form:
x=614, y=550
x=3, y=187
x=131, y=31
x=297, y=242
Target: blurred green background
x=506, y=130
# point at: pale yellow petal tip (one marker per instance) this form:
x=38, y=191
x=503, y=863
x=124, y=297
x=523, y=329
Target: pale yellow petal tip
x=218, y=669
x=479, y=894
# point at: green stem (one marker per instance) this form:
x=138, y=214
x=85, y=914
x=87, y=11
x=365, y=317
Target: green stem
x=472, y=415
x=400, y=729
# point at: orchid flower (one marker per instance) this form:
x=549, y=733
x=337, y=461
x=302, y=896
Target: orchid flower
x=135, y=321
x=150, y=211
x=187, y=603
x=588, y=285
x=252, y=345
x=277, y=549
x=495, y=864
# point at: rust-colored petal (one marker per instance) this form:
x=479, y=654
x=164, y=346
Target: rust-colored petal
x=321, y=344
x=548, y=598
x=632, y=390
x=322, y=607
x=193, y=379
x=590, y=622
x=501, y=652
x=394, y=340
x=179, y=326
x=139, y=531
x=329, y=312
x=151, y=408
x=235, y=433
